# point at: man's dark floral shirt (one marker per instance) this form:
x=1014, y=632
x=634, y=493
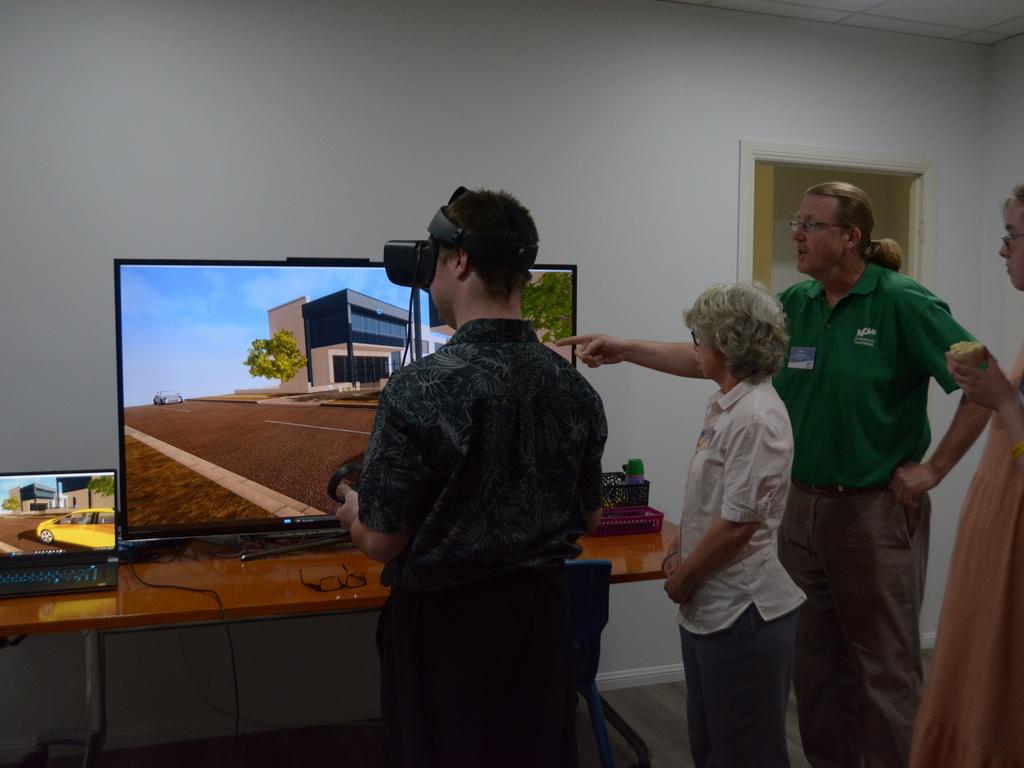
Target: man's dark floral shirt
x=486, y=453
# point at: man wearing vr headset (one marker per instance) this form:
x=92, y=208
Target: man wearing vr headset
x=483, y=469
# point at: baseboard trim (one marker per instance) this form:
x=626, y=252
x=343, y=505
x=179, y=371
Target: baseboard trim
x=671, y=673
x=631, y=678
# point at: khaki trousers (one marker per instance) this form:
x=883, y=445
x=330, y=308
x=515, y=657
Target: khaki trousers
x=861, y=559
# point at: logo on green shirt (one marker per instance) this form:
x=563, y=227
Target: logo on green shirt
x=866, y=337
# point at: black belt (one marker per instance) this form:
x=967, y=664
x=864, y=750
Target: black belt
x=838, y=490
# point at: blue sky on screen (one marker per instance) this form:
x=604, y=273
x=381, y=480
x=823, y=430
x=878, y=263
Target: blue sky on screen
x=189, y=328
x=9, y=483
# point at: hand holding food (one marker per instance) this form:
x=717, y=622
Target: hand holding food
x=988, y=386
x=969, y=353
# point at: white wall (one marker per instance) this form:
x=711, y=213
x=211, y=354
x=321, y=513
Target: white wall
x=234, y=129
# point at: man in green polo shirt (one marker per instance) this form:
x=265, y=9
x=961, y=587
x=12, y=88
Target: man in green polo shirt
x=887, y=335
x=864, y=342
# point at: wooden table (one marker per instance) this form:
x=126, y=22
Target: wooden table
x=635, y=557
x=249, y=590
x=265, y=588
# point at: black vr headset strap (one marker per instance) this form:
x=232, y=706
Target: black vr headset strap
x=509, y=253
x=498, y=250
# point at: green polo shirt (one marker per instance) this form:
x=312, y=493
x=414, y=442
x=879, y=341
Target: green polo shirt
x=861, y=410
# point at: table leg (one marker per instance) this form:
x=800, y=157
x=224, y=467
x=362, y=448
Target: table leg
x=95, y=694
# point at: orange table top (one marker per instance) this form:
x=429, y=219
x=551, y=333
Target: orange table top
x=264, y=588
x=635, y=557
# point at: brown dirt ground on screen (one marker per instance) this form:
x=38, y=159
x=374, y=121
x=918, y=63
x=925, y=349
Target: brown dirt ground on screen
x=163, y=492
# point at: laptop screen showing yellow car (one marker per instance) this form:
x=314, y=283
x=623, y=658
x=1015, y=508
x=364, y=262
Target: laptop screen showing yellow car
x=46, y=512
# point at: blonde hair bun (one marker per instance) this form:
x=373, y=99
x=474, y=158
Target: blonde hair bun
x=886, y=253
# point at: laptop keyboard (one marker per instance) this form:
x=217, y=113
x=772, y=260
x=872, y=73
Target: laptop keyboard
x=63, y=578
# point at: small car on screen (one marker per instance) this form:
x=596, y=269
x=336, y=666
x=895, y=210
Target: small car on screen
x=90, y=527
x=165, y=396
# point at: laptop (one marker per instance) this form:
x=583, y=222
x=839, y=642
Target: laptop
x=57, y=532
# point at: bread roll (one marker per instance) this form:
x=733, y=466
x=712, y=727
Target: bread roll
x=971, y=353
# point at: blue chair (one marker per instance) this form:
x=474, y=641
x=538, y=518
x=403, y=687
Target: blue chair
x=588, y=614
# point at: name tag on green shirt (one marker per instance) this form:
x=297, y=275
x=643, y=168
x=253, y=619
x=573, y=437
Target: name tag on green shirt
x=801, y=357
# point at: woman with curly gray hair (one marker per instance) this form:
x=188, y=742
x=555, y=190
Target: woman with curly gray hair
x=737, y=605
x=745, y=324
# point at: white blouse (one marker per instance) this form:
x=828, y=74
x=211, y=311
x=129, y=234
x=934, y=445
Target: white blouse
x=740, y=471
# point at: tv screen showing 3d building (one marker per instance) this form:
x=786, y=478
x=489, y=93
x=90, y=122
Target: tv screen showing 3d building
x=53, y=512
x=244, y=386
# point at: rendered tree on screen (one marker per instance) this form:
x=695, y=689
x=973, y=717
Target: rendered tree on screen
x=275, y=358
x=103, y=486
x=11, y=504
x=548, y=303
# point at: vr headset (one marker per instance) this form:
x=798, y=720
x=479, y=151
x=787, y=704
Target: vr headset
x=412, y=262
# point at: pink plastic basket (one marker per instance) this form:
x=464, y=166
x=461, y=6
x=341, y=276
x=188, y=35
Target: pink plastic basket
x=617, y=522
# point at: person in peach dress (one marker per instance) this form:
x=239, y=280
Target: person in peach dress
x=972, y=713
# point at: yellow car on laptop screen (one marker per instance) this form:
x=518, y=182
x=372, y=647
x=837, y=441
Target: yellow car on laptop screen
x=90, y=528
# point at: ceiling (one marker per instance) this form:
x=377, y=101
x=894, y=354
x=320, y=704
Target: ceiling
x=984, y=22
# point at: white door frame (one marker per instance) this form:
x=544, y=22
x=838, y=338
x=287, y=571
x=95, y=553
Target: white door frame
x=920, y=252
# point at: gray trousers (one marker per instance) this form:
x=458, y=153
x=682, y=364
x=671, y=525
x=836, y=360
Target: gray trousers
x=737, y=687
x=861, y=559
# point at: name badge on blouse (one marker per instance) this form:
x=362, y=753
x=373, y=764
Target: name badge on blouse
x=802, y=358
x=705, y=438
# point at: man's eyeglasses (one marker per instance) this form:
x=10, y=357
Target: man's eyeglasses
x=349, y=580
x=1007, y=239
x=693, y=335
x=810, y=227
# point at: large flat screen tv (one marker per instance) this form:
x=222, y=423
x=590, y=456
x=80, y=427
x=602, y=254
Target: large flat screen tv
x=244, y=385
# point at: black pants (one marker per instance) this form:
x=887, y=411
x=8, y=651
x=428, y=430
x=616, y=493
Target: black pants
x=478, y=675
x=737, y=688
